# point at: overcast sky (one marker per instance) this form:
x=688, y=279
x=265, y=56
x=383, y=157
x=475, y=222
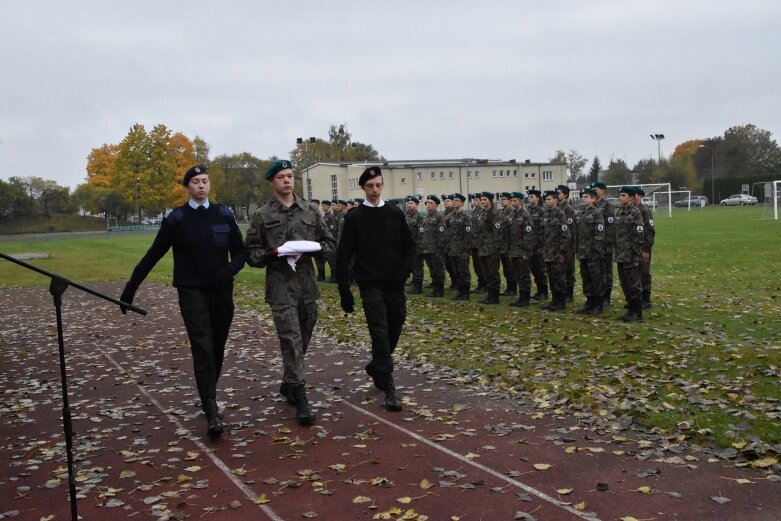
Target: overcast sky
x=416, y=79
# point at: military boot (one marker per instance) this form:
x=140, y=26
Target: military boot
x=376, y=377
x=558, y=302
x=542, y=293
x=391, y=401
x=569, y=297
x=635, y=312
x=492, y=297
x=646, y=302
x=214, y=425
x=522, y=302
x=512, y=289
x=463, y=293
x=205, y=409
x=479, y=289
x=286, y=391
x=606, y=298
x=587, y=306
x=417, y=288
x=304, y=414
x=438, y=290
x=596, y=307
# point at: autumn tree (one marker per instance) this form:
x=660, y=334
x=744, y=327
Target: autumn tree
x=101, y=165
x=339, y=148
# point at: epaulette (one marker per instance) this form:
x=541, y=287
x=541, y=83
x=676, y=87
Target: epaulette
x=173, y=215
x=224, y=210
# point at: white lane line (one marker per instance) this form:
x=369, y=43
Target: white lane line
x=531, y=490
x=217, y=461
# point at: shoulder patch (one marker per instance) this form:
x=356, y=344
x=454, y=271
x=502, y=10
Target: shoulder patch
x=528, y=229
x=610, y=220
x=600, y=227
x=564, y=227
x=441, y=228
x=498, y=225
x=468, y=229
x=167, y=212
x=651, y=222
x=224, y=210
x=640, y=229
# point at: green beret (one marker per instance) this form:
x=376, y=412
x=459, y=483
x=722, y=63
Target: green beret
x=639, y=191
x=505, y=195
x=326, y=202
x=563, y=189
x=550, y=193
x=433, y=198
x=192, y=172
x=589, y=191
x=315, y=201
x=534, y=192
x=627, y=189
x=599, y=184
x=341, y=201
x=487, y=195
x=516, y=195
x=475, y=195
x=459, y=197
x=412, y=198
x=277, y=166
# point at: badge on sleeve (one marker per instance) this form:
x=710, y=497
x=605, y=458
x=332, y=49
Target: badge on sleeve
x=610, y=220
x=422, y=229
x=528, y=229
x=639, y=229
x=564, y=227
x=468, y=229
x=497, y=226
x=441, y=228
x=651, y=222
x=600, y=227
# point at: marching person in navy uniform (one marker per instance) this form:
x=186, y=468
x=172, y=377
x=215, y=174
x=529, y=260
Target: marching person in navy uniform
x=208, y=252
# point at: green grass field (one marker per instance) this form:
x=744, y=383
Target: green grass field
x=705, y=364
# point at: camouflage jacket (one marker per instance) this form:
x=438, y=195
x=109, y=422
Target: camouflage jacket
x=272, y=225
x=458, y=234
x=488, y=228
x=522, y=236
x=650, y=231
x=571, y=217
x=557, y=234
x=537, y=214
x=590, y=243
x=432, y=234
x=413, y=222
x=630, y=234
x=476, y=213
x=506, y=214
x=609, y=213
x=330, y=222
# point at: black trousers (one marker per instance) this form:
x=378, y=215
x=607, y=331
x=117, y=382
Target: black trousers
x=386, y=311
x=207, y=314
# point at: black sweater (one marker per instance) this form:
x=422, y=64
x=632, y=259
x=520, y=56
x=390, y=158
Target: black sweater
x=380, y=241
x=201, y=240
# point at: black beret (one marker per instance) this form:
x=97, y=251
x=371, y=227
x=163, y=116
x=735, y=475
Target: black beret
x=370, y=173
x=626, y=189
x=459, y=197
x=412, y=198
x=277, y=166
x=446, y=197
x=589, y=191
x=505, y=195
x=314, y=201
x=550, y=193
x=563, y=189
x=599, y=184
x=534, y=192
x=475, y=195
x=487, y=195
x=516, y=195
x=326, y=202
x=639, y=190
x=433, y=198
x=192, y=172
x=341, y=201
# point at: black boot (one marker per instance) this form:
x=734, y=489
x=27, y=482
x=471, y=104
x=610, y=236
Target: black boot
x=596, y=307
x=304, y=414
x=587, y=307
x=214, y=426
x=558, y=302
x=376, y=377
x=512, y=289
x=286, y=391
x=646, y=302
x=522, y=302
x=391, y=401
x=479, y=289
x=438, y=291
x=492, y=297
x=635, y=311
x=417, y=288
x=542, y=293
x=569, y=297
x=463, y=293
x=606, y=298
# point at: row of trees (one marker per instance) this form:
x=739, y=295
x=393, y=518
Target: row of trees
x=22, y=197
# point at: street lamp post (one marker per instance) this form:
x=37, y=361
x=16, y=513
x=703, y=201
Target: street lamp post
x=299, y=141
x=138, y=198
x=658, y=138
x=712, y=183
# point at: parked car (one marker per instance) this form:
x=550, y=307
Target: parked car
x=738, y=199
x=649, y=202
x=695, y=200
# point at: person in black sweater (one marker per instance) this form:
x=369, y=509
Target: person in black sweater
x=203, y=235
x=376, y=235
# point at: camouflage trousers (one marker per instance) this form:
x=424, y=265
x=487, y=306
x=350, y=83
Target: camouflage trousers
x=631, y=285
x=537, y=266
x=645, y=278
x=593, y=277
x=569, y=269
x=478, y=267
x=522, y=275
x=295, y=325
x=607, y=270
x=490, y=268
x=507, y=270
x=461, y=275
x=557, y=276
x=436, y=267
x=417, y=269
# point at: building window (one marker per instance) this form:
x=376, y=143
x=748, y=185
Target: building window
x=433, y=176
x=494, y=173
x=334, y=187
x=477, y=174
x=442, y=175
x=420, y=176
x=533, y=175
x=353, y=184
x=515, y=173
x=403, y=180
x=526, y=175
x=469, y=174
x=450, y=174
x=547, y=175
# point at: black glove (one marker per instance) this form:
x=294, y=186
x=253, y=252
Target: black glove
x=346, y=299
x=127, y=296
x=222, y=277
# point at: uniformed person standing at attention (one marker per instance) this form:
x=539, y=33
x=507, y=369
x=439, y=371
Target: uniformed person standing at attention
x=556, y=242
x=290, y=293
x=569, y=212
x=459, y=246
x=447, y=202
x=203, y=235
x=477, y=209
x=319, y=260
x=414, y=219
x=609, y=213
x=329, y=218
x=537, y=266
x=630, y=241
x=489, y=236
x=523, y=241
x=506, y=211
x=376, y=235
x=431, y=246
x=589, y=249
x=648, y=245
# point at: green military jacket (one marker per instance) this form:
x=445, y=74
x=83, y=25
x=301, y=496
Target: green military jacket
x=458, y=234
x=330, y=222
x=609, y=213
x=271, y=226
x=650, y=230
x=488, y=227
x=630, y=234
x=571, y=218
x=537, y=214
x=590, y=242
x=413, y=222
x=522, y=236
x=557, y=234
x=432, y=234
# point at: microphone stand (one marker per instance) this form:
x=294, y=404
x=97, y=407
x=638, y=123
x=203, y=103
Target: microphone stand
x=57, y=287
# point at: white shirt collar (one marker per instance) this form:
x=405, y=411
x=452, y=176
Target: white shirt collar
x=194, y=204
x=370, y=205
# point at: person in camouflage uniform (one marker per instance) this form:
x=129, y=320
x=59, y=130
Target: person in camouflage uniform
x=648, y=245
x=319, y=260
x=556, y=242
x=431, y=247
x=447, y=202
x=522, y=242
x=489, y=237
x=414, y=220
x=329, y=218
x=477, y=209
x=458, y=238
x=589, y=249
x=609, y=213
x=506, y=211
x=537, y=264
x=290, y=293
x=630, y=240
x=571, y=216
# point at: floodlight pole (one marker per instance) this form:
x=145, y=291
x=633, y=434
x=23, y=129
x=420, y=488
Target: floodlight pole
x=299, y=141
x=658, y=138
